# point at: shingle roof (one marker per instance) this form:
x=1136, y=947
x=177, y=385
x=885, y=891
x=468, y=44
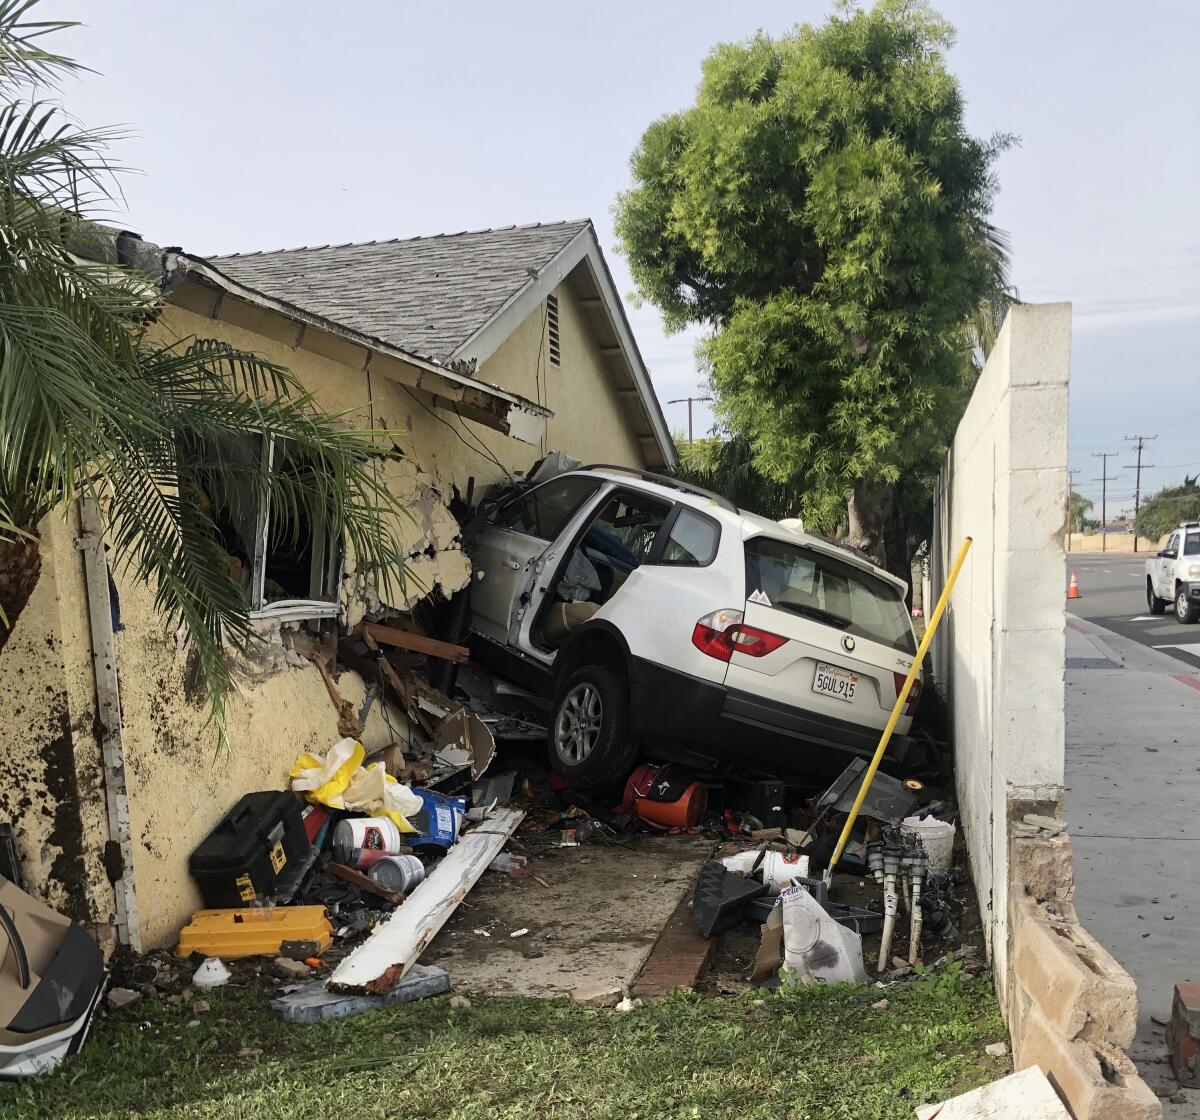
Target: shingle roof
x=426, y=295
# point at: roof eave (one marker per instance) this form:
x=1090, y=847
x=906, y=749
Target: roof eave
x=583, y=247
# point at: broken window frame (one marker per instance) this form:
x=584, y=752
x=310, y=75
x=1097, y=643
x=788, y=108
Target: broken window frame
x=325, y=566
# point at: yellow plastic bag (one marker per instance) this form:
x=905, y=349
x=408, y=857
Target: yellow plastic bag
x=374, y=791
x=324, y=780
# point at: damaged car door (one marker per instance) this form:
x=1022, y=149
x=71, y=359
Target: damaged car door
x=509, y=543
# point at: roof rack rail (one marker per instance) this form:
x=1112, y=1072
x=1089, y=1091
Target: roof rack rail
x=664, y=480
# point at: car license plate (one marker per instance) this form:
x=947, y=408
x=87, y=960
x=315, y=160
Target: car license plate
x=829, y=680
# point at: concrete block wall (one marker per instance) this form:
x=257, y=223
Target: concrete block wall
x=999, y=653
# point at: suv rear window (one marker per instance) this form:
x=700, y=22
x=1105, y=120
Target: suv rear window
x=827, y=590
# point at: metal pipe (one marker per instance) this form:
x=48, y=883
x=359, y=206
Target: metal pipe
x=901, y=700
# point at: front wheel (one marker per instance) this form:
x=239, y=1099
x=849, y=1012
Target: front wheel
x=1185, y=609
x=590, y=745
x=1156, y=605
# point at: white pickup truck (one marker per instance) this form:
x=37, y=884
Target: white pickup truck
x=1173, y=574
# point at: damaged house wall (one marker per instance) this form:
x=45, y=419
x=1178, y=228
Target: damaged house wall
x=179, y=784
x=999, y=654
x=53, y=793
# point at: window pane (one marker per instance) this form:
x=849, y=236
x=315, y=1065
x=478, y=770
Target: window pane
x=624, y=532
x=546, y=509
x=1191, y=546
x=827, y=590
x=693, y=540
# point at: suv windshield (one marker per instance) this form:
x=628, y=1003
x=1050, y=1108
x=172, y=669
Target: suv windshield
x=803, y=581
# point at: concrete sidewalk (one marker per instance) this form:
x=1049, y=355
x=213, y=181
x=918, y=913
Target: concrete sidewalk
x=1132, y=801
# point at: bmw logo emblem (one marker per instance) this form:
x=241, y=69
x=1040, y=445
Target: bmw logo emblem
x=848, y=644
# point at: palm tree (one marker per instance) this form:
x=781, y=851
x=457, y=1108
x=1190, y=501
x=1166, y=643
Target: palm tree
x=91, y=407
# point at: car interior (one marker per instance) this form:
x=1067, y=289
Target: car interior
x=615, y=542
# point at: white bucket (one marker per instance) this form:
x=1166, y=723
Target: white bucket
x=398, y=873
x=776, y=869
x=360, y=841
x=937, y=838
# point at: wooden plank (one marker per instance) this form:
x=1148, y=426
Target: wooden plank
x=348, y=724
x=380, y=962
x=418, y=643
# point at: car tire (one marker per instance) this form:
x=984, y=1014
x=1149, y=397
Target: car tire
x=1186, y=611
x=590, y=746
x=1156, y=605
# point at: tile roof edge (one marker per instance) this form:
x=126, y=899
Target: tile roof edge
x=582, y=223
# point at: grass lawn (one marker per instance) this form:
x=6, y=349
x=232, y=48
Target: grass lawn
x=817, y=1052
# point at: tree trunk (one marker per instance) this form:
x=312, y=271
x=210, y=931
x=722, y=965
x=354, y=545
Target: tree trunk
x=876, y=527
x=20, y=566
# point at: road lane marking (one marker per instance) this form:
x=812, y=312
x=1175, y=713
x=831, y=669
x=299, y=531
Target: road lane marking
x=1182, y=678
x=1191, y=647
x=1145, y=618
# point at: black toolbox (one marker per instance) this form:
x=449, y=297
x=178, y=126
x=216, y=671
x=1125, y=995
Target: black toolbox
x=258, y=843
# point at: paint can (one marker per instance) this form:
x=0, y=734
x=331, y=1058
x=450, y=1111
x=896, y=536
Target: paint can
x=360, y=841
x=398, y=873
x=937, y=838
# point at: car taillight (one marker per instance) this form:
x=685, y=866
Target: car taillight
x=914, y=696
x=722, y=633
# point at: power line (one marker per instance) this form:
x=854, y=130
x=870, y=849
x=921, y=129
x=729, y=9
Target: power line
x=1139, y=442
x=1104, y=457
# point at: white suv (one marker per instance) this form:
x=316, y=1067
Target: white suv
x=659, y=617
x=1173, y=575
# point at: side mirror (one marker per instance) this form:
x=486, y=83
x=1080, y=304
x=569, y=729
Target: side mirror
x=1168, y=554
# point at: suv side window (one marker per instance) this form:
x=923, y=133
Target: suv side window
x=544, y=511
x=1173, y=544
x=625, y=529
x=692, y=541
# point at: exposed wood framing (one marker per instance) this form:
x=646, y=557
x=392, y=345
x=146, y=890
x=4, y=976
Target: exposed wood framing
x=418, y=643
x=108, y=717
x=380, y=962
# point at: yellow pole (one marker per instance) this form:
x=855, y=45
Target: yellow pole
x=894, y=718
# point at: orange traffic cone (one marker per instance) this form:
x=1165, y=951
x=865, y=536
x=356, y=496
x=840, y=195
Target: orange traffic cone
x=1073, y=588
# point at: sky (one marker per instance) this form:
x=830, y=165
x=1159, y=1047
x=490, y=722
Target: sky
x=273, y=124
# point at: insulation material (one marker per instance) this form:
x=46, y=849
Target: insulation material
x=1025, y=1095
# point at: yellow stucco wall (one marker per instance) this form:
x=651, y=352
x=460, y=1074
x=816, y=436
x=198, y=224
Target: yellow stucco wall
x=53, y=791
x=179, y=783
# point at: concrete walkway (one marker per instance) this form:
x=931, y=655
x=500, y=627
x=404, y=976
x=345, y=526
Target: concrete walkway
x=1133, y=804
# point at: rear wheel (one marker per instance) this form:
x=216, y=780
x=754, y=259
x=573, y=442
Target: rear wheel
x=1156, y=605
x=590, y=745
x=1186, y=610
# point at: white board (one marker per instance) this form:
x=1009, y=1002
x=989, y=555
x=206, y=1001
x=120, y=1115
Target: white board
x=380, y=962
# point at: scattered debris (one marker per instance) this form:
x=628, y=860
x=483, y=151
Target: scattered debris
x=253, y=931
x=720, y=898
x=522, y=932
x=814, y=945
x=628, y=1004
x=381, y=961
x=460, y=1003
x=121, y=997
x=1025, y=1095
x=881, y=1005
x=212, y=973
x=287, y=969
x=996, y=1050
x=598, y=995
x=310, y=1003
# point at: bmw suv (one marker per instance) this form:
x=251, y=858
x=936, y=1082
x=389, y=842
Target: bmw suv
x=660, y=619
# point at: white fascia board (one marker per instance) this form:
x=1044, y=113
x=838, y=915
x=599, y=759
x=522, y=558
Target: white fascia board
x=582, y=247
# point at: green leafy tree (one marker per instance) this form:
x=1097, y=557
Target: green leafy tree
x=1161, y=512
x=822, y=208
x=727, y=467
x=1080, y=508
x=91, y=407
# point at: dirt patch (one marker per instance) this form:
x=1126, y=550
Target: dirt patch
x=594, y=923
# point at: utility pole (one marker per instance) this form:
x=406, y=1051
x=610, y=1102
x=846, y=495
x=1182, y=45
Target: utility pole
x=680, y=400
x=1104, y=476
x=1138, y=442
x=1070, y=515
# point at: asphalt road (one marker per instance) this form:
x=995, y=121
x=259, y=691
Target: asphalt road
x=1113, y=590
